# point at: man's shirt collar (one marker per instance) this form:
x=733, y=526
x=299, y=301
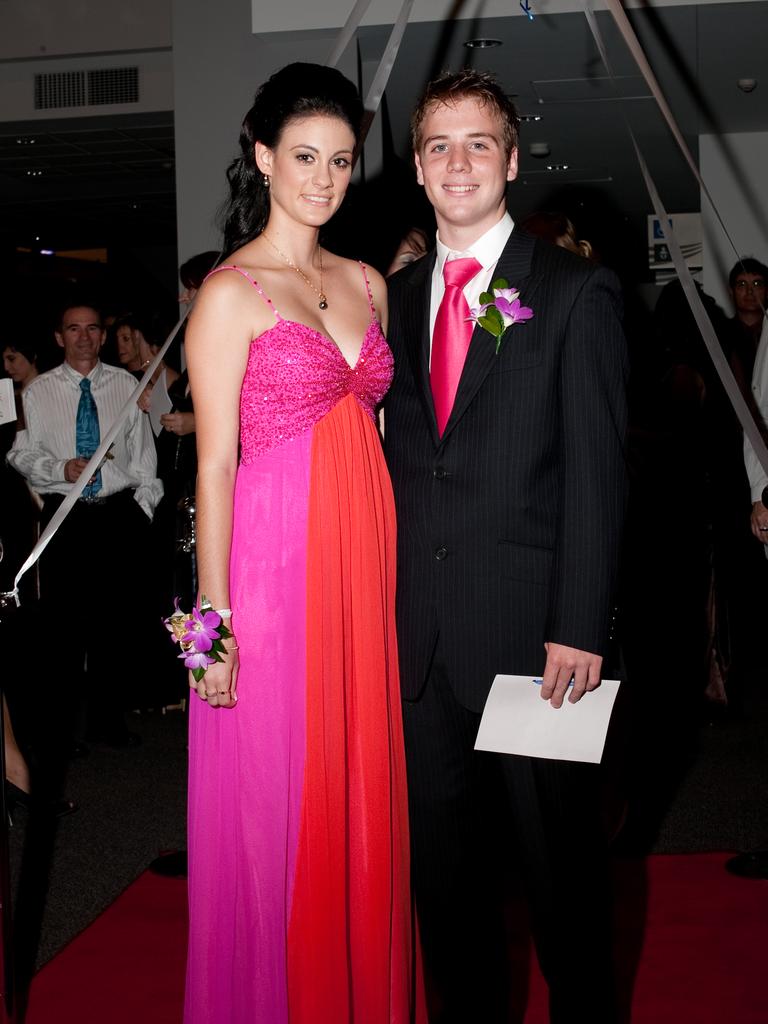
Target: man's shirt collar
x=486, y=250
x=74, y=377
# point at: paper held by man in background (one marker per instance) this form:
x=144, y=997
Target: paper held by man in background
x=159, y=404
x=517, y=721
x=7, y=403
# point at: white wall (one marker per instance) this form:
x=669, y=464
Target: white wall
x=218, y=65
x=35, y=28
x=734, y=170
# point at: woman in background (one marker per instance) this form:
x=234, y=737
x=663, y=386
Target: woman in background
x=20, y=363
x=557, y=229
x=193, y=272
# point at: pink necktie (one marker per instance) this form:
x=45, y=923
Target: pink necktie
x=451, y=337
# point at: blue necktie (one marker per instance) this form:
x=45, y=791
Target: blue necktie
x=87, y=432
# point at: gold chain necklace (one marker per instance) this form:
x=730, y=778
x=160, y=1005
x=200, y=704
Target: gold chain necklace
x=318, y=291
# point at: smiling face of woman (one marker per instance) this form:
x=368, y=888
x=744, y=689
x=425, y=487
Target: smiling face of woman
x=309, y=169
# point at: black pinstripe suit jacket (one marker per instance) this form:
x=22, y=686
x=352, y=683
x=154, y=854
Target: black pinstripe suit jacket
x=509, y=525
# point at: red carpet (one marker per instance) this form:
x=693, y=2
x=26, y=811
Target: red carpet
x=703, y=957
x=127, y=967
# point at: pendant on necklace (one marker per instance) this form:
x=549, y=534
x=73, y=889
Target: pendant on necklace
x=323, y=302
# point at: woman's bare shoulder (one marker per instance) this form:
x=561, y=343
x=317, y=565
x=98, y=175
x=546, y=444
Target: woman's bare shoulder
x=232, y=298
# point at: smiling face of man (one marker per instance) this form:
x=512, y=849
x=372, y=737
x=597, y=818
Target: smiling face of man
x=464, y=168
x=81, y=335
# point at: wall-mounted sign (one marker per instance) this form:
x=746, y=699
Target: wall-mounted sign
x=688, y=231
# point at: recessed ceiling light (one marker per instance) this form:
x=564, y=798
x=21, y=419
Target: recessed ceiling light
x=530, y=117
x=557, y=167
x=482, y=44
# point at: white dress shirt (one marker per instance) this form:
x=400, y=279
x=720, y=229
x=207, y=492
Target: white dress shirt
x=486, y=250
x=41, y=452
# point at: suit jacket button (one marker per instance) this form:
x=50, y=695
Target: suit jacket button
x=439, y=473
x=440, y=554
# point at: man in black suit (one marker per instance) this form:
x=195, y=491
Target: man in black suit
x=509, y=480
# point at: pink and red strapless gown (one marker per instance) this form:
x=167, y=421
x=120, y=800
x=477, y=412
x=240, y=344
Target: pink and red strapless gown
x=299, y=895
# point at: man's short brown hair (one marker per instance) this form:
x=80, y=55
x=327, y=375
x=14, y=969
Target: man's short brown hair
x=78, y=302
x=453, y=86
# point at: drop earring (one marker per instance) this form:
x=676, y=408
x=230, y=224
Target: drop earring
x=266, y=182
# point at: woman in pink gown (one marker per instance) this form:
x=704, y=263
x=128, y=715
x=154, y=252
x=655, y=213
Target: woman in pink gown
x=300, y=908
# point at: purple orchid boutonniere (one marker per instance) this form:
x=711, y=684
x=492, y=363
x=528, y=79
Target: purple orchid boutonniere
x=199, y=634
x=499, y=310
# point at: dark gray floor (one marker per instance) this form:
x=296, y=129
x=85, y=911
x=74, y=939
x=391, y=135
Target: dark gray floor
x=132, y=806
x=722, y=803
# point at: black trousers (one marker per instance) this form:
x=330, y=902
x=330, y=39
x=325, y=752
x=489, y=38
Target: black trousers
x=96, y=610
x=477, y=818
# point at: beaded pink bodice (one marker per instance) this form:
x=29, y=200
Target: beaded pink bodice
x=296, y=375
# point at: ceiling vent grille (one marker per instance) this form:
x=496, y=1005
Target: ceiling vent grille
x=106, y=86
x=113, y=85
x=60, y=89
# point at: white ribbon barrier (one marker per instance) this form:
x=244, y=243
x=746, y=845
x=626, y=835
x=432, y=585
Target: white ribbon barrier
x=381, y=78
x=703, y=322
x=387, y=62
x=383, y=71
x=633, y=44
x=347, y=32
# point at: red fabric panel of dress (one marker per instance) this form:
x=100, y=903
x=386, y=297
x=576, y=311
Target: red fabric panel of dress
x=350, y=942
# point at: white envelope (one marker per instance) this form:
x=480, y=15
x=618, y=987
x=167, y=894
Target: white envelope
x=517, y=721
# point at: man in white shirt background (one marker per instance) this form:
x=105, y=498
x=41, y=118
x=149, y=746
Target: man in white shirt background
x=93, y=593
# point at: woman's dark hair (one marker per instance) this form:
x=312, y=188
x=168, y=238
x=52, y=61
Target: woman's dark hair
x=194, y=271
x=26, y=347
x=296, y=91
x=150, y=325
